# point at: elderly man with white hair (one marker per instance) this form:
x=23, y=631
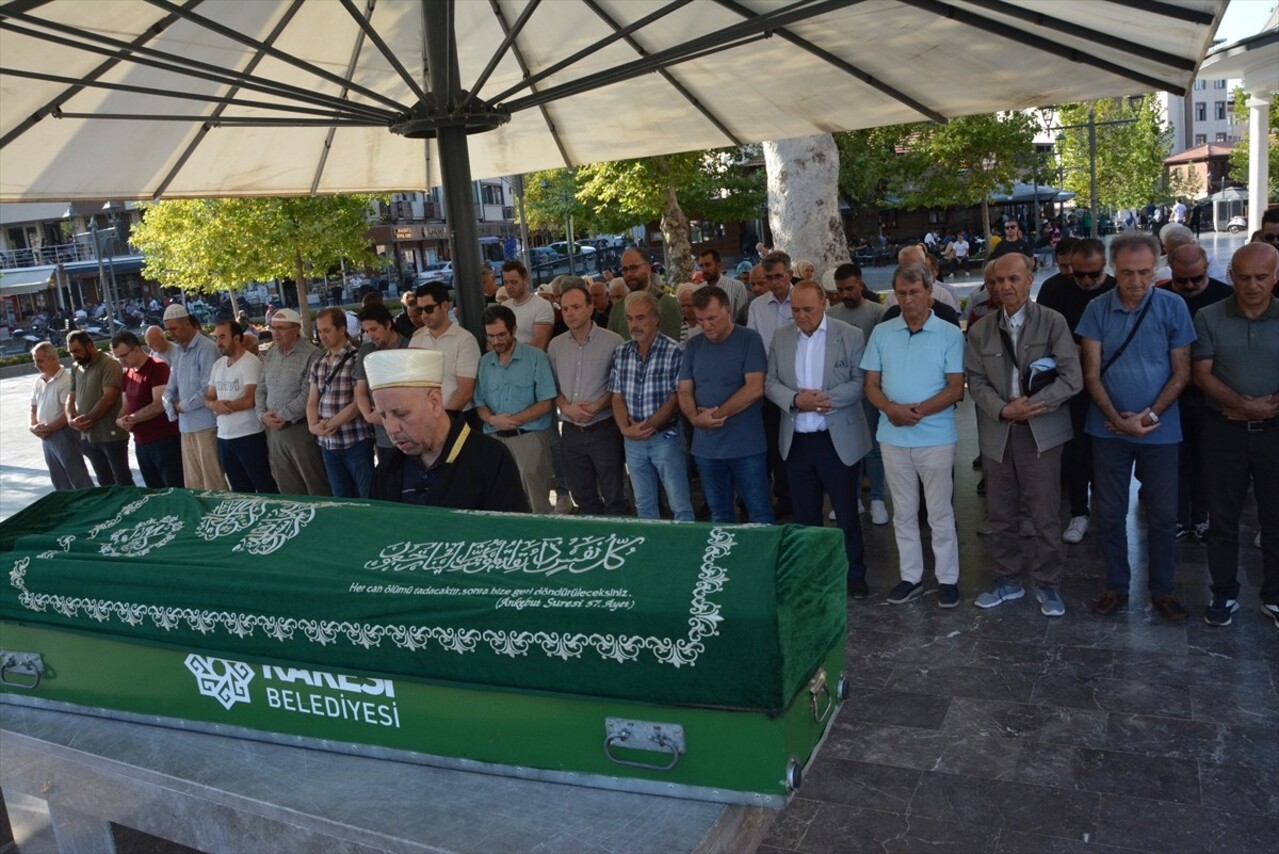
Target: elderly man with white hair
x=438, y=459
x=1171, y=237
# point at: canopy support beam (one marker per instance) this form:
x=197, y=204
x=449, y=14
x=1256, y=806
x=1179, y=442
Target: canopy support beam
x=667, y=76
x=440, y=43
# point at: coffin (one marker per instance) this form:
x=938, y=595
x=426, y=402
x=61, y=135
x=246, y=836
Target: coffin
x=700, y=660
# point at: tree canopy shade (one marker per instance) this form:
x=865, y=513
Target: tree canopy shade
x=205, y=245
x=1130, y=154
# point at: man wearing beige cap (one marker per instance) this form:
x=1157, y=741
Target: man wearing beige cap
x=281, y=399
x=438, y=459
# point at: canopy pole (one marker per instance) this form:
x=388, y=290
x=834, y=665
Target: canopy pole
x=455, y=164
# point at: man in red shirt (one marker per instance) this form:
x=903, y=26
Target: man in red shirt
x=157, y=444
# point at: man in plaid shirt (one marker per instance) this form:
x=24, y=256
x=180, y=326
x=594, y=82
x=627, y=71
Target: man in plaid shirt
x=643, y=381
x=346, y=439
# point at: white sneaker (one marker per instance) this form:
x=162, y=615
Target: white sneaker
x=878, y=512
x=832, y=514
x=564, y=505
x=1075, y=531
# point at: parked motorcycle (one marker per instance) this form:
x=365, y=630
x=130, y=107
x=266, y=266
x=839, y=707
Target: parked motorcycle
x=1237, y=224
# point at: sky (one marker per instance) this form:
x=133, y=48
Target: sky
x=1244, y=18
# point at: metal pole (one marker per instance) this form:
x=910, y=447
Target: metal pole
x=455, y=164
x=568, y=232
x=104, y=292
x=1092, y=168
x=519, y=194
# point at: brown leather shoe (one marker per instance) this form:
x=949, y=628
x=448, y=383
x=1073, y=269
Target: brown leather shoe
x=1170, y=609
x=1110, y=602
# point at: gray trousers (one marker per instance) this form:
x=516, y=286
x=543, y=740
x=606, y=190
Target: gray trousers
x=64, y=455
x=595, y=465
x=295, y=461
x=1030, y=479
x=532, y=453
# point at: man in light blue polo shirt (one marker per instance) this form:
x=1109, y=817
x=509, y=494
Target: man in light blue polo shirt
x=1135, y=347
x=914, y=367
x=514, y=397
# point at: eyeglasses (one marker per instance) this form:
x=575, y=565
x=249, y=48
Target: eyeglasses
x=1010, y=228
x=424, y=308
x=631, y=268
x=1272, y=237
x=1190, y=280
x=1087, y=274
x=120, y=357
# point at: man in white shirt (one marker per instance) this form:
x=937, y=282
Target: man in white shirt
x=233, y=385
x=461, y=350
x=61, y=445
x=534, y=316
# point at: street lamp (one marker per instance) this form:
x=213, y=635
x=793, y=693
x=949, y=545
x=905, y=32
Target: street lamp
x=1092, y=124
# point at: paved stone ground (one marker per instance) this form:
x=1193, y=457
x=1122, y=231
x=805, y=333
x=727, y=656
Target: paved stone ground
x=1002, y=730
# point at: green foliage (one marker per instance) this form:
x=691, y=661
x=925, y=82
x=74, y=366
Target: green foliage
x=205, y=245
x=871, y=169
x=1239, y=156
x=610, y=197
x=1130, y=156
x=961, y=163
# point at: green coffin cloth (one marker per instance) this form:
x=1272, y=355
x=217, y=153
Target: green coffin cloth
x=733, y=616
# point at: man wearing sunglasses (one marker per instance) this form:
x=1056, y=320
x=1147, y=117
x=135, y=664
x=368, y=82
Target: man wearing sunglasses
x=1191, y=282
x=1070, y=296
x=1013, y=242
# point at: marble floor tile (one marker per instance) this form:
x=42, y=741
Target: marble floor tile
x=902, y=708
x=1234, y=704
x=1155, y=778
x=1128, y=631
x=1016, y=842
x=1146, y=825
x=1239, y=789
x=861, y=784
x=969, y=716
x=1193, y=668
x=840, y=828
x=1112, y=695
x=997, y=803
x=1234, y=833
x=787, y=831
x=922, y=749
x=992, y=682
x=1222, y=744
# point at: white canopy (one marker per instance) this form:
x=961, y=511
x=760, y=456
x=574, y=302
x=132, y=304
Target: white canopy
x=144, y=98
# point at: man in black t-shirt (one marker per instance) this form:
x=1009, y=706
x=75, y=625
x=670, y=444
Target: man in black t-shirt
x=1013, y=242
x=1191, y=282
x=438, y=459
x=1088, y=280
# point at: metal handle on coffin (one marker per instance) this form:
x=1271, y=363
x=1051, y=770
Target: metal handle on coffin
x=21, y=664
x=818, y=686
x=663, y=744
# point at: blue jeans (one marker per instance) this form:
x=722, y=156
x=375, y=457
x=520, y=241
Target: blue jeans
x=659, y=457
x=350, y=470
x=1156, y=468
x=749, y=475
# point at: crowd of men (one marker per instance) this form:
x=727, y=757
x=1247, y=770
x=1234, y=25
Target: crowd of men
x=1099, y=378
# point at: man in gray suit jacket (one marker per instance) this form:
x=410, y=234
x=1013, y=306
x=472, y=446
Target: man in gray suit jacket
x=815, y=379
x=1021, y=428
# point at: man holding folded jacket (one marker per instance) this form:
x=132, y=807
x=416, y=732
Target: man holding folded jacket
x=1022, y=365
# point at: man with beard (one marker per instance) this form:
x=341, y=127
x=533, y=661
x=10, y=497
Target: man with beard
x=379, y=334
x=637, y=273
x=156, y=442
x=233, y=385
x=438, y=460
x=97, y=395
x=712, y=266
x=514, y=396
x=534, y=316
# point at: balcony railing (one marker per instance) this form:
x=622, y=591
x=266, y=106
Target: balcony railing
x=62, y=253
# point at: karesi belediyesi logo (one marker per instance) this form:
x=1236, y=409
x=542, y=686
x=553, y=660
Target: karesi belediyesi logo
x=297, y=690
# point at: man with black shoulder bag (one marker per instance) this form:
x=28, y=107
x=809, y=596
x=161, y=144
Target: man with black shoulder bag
x=1022, y=366
x=1136, y=357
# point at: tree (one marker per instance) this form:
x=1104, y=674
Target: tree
x=1239, y=156
x=207, y=245
x=871, y=166
x=1130, y=154
x=803, y=202
x=550, y=197
x=961, y=163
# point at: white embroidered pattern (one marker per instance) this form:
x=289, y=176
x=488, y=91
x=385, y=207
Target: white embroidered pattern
x=547, y=556
x=704, y=619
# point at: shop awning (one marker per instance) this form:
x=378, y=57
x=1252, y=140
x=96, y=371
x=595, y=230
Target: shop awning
x=26, y=280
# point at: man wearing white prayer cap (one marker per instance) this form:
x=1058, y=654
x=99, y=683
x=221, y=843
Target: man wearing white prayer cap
x=438, y=459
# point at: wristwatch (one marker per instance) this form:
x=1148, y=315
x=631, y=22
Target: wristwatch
x=1154, y=419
